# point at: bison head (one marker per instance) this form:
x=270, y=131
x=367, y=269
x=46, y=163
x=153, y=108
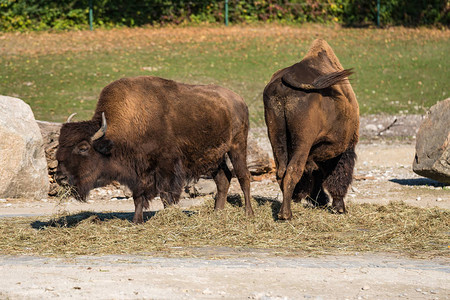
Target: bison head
x=82, y=155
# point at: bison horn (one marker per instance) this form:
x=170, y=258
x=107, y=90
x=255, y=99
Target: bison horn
x=69, y=119
x=101, y=132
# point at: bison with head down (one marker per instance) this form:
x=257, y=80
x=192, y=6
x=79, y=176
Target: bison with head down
x=153, y=135
x=312, y=117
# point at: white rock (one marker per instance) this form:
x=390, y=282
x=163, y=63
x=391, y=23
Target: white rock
x=432, y=157
x=23, y=172
x=371, y=127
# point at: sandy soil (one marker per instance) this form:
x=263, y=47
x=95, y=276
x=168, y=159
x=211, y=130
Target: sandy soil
x=383, y=173
x=255, y=277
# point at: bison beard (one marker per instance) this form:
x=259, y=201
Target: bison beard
x=312, y=117
x=156, y=134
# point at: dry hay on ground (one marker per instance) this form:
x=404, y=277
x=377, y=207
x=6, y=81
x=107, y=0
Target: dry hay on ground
x=397, y=227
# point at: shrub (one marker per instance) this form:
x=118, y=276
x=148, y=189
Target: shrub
x=73, y=14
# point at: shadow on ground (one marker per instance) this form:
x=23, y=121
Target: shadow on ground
x=418, y=182
x=236, y=200
x=95, y=217
x=275, y=205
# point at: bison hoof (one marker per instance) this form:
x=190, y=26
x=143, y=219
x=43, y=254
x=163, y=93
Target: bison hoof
x=283, y=216
x=338, y=210
x=249, y=212
x=138, y=220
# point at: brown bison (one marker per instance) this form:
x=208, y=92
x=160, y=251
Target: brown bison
x=312, y=117
x=153, y=135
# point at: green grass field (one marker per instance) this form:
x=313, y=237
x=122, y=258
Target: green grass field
x=398, y=70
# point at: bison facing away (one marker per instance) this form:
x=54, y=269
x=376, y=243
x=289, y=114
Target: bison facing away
x=153, y=135
x=312, y=117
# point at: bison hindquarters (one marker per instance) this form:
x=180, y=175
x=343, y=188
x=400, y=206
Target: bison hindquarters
x=312, y=117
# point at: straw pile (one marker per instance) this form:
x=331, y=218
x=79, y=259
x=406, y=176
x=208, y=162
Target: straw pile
x=397, y=227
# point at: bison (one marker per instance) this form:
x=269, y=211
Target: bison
x=312, y=117
x=153, y=135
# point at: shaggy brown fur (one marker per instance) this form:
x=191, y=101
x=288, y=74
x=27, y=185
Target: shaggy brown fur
x=159, y=135
x=312, y=117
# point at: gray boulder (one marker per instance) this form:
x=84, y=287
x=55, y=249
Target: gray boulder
x=23, y=168
x=432, y=158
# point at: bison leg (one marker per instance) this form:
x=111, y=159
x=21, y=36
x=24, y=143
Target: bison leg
x=138, y=209
x=318, y=197
x=222, y=178
x=276, y=129
x=238, y=157
x=141, y=202
x=304, y=187
x=310, y=189
x=169, y=198
x=292, y=177
x=339, y=180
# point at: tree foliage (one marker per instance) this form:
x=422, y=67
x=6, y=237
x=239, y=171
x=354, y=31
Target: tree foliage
x=73, y=14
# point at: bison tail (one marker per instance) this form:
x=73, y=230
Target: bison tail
x=321, y=82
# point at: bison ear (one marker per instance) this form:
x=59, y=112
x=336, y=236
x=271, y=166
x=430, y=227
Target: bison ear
x=104, y=146
x=82, y=148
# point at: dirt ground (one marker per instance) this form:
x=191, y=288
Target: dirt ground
x=257, y=276
x=383, y=174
